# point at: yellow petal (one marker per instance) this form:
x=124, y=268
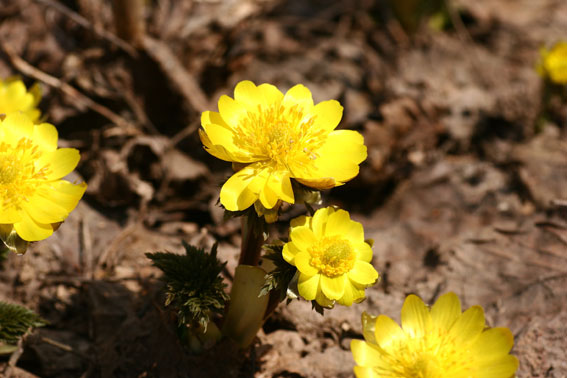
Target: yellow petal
x=252, y=96
x=365, y=372
x=363, y=273
x=270, y=94
x=235, y=194
x=328, y=115
x=469, y=325
x=351, y=295
x=363, y=251
x=322, y=300
x=279, y=182
x=364, y=354
x=219, y=134
x=341, y=166
x=30, y=230
x=317, y=183
x=504, y=367
x=319, y=221
x=416, y=319
x=387, y=332
x=337, y=223
x=300, y=221
x=45, y=136
x=289, y=251
x=44, y=211
x=302, y=237
x=246, y=93
x=333, y=287
x=215, y=150
x=63, y=193
x=60, y=162
x=231, y=111
x=302, y=262
x=17, y=126
x=492, y=344
x=308, y=286
x=446, y=311
x=9, y=215
x=298, y=95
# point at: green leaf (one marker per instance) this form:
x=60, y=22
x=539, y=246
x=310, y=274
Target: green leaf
x=281, y=276
x=194, y=284
x=15, y=321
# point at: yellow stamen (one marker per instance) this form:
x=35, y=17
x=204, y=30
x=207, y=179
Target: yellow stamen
x=333, y=256
x=19, y=177
x=281, y=135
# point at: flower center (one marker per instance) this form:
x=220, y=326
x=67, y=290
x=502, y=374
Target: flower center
x=333, y=256
x=435, y=355
x=18, y=174
x=283, y=135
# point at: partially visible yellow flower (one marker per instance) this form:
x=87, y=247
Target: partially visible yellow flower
x=271, y=138
x=553, y=64
x=331, y=256
x=440, y=342
x=33, y=197
x=14, y=97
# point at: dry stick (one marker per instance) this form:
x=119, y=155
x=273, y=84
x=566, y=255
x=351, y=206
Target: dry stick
x=29, y=70
x=186, y=83
x=129, y=20
x=87, y=25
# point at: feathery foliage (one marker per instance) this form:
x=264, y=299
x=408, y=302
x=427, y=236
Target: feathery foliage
x=15, y=320
x=194, y=284
x=281, y=276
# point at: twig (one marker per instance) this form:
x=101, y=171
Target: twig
x=29, y=70
x=186, y=84
x=14, y=358
x=87, y=25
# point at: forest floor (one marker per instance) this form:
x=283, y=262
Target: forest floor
x=460, y=191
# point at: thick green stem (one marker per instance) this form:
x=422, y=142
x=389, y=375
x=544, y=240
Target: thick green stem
x=246, y=311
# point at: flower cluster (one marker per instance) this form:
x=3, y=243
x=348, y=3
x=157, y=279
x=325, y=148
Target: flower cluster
x=434, y=343
x=34, y=199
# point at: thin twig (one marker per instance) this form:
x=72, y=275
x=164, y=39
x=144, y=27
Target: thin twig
x=82, y=100
x=80, y=20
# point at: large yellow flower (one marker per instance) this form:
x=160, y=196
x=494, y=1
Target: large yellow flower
x=274, y=137
x=33, y=198
x=437, y=343
x=553, y=64
x=15, y=98
x=331, y=256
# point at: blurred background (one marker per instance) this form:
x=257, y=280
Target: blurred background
x=464, y=188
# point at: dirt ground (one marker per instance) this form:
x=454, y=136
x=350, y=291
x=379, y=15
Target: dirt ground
x=460, y=191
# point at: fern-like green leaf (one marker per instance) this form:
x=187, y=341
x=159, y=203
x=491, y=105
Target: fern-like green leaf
x=194, y=285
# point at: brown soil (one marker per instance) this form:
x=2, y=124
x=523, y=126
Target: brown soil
x=460, y=191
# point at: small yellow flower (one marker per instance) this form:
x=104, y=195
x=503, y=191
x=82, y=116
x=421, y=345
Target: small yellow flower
x=331, y=256
x=15, y=98
x=271, y=137
x=434, y=343
x=33, y=197
x=553, y=64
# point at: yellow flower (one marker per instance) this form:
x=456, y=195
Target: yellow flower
x=553, y=64
x=271, y=137
x=15, y=98
x=33, y=198
x=440, y=342
x=331, y=256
